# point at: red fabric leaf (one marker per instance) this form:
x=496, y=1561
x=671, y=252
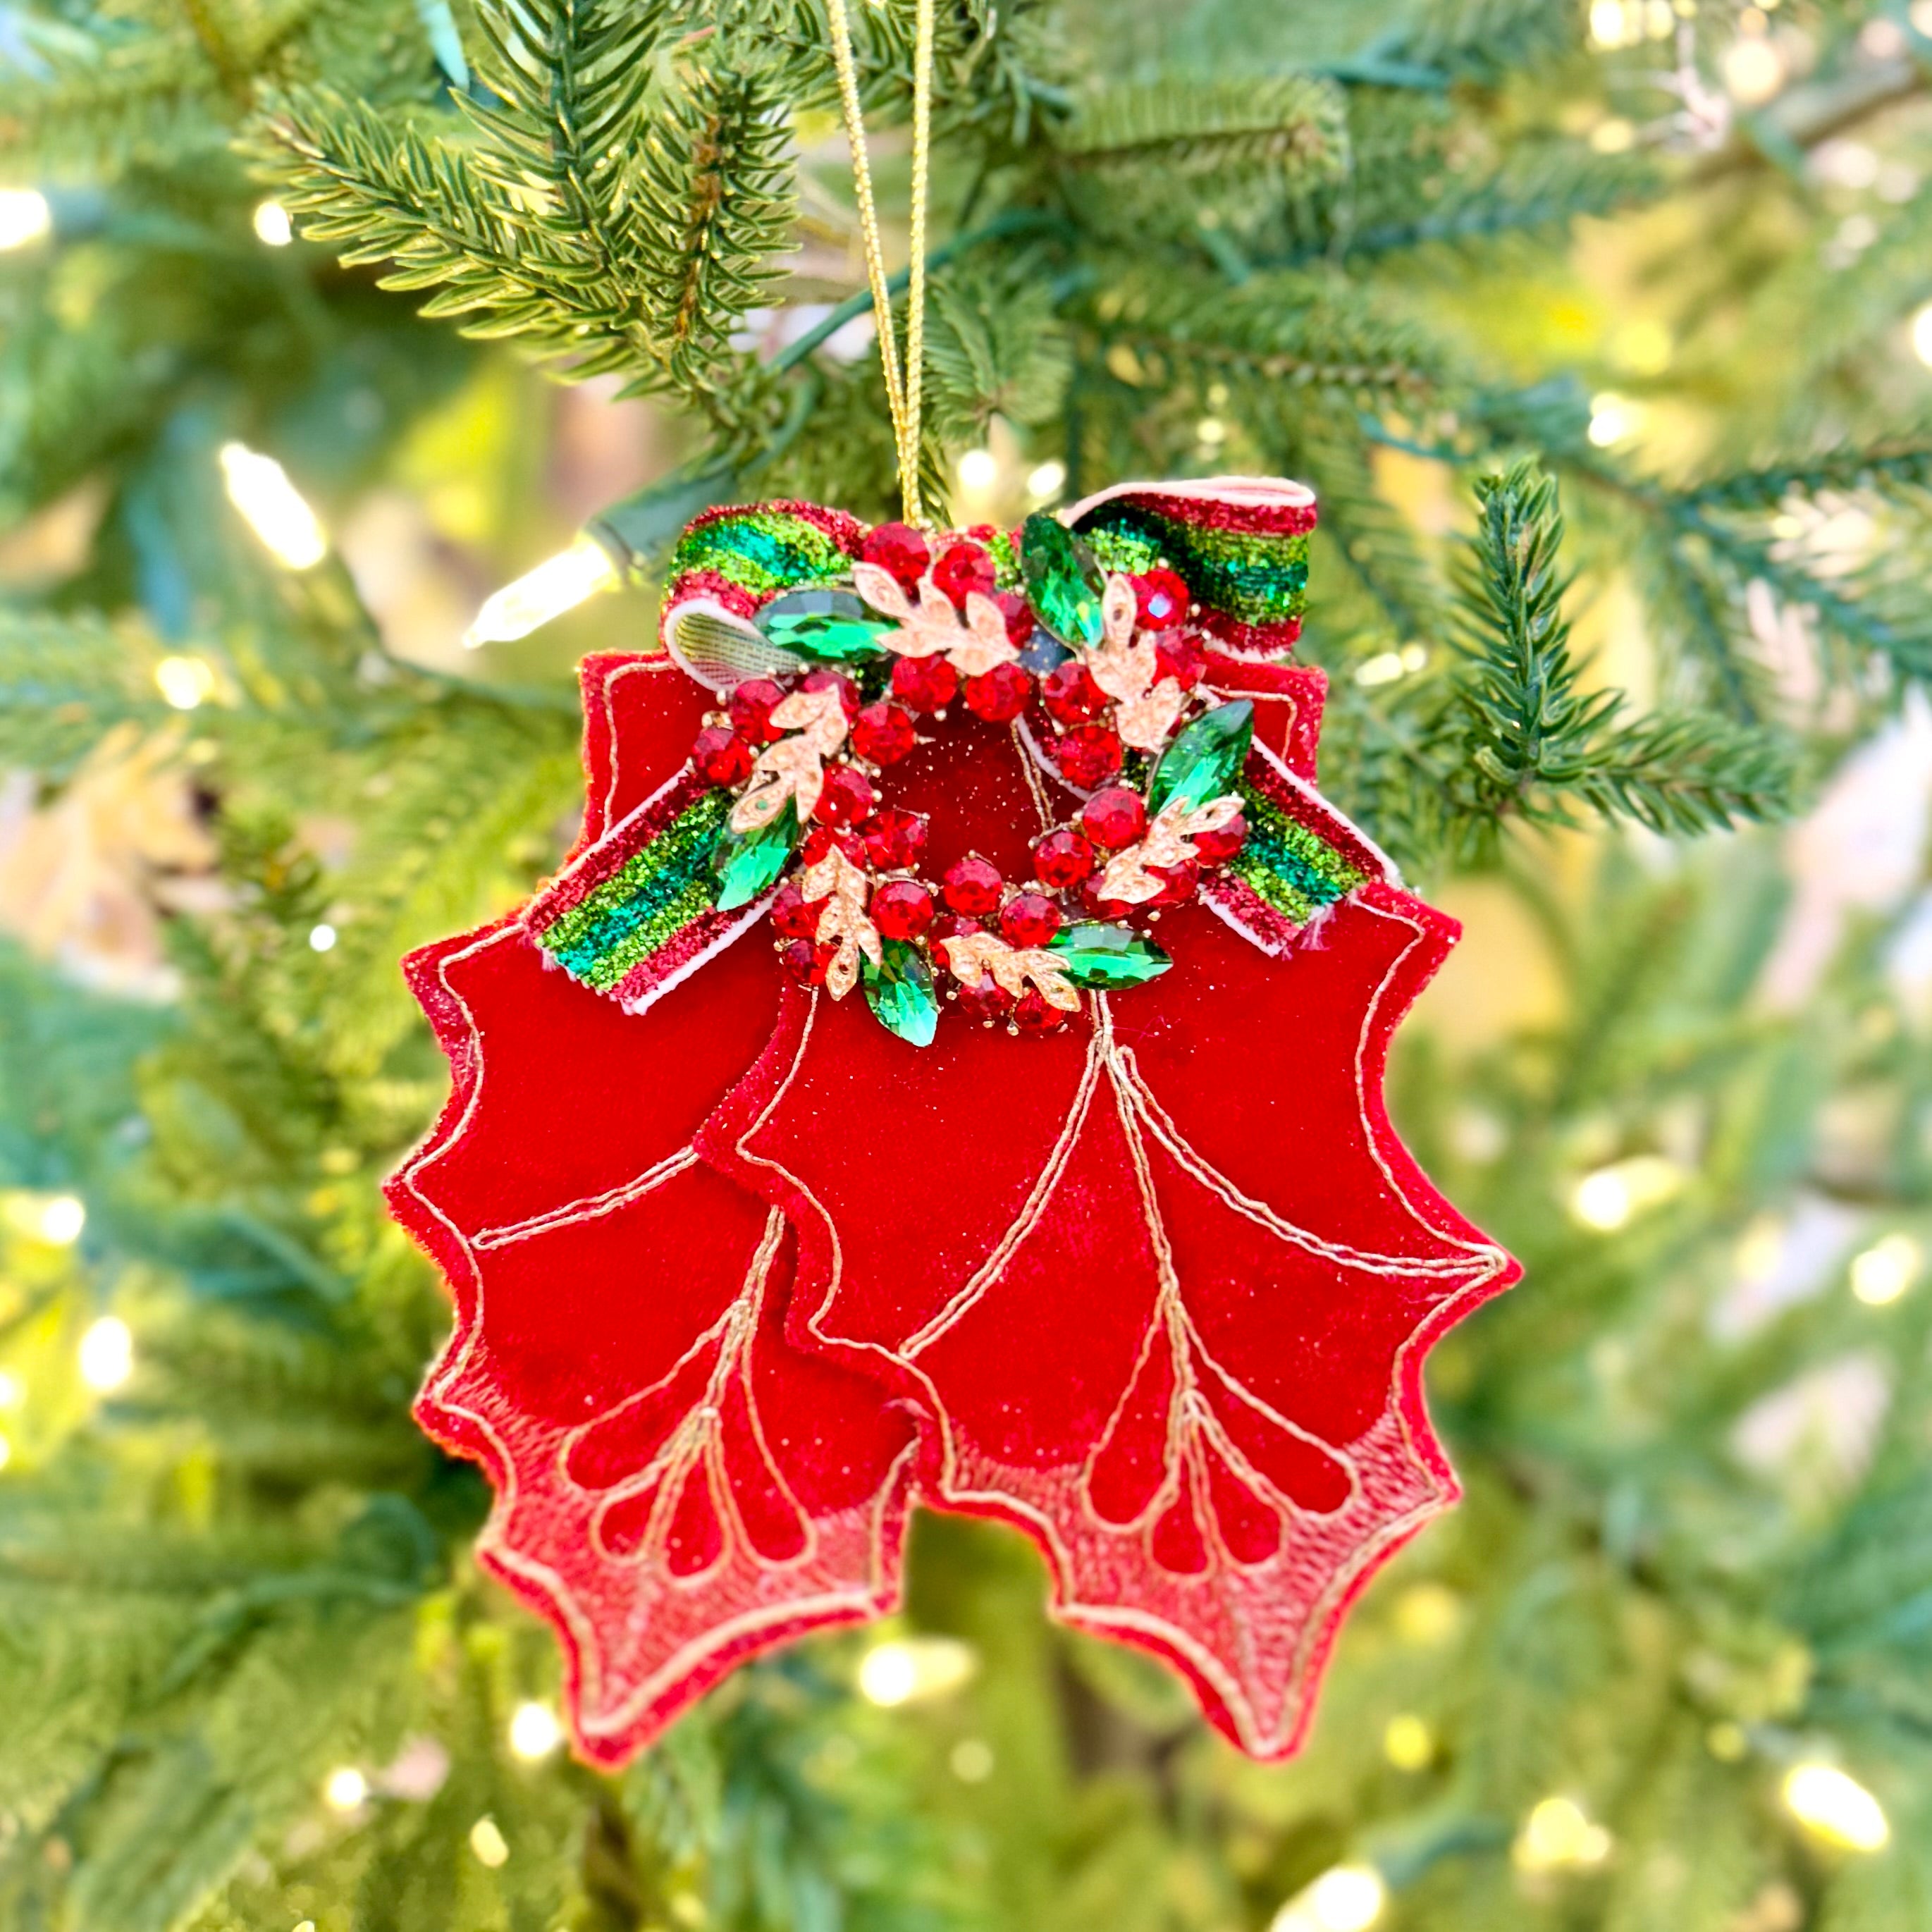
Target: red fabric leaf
x=1162, y=1282
x=678, y=1486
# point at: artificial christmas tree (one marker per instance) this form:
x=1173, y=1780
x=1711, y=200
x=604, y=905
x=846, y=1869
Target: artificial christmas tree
x=1441, y=261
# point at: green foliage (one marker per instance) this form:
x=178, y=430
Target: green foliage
x=714, y=213
x=1535, y=746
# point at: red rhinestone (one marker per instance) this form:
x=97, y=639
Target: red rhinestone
x=974, y=886
x=925, y=684
x=882, y=733
x=1088, y=755
x=1028, y=919
x=963, y=569
x=750, y=705
x=1114, y=817
x=902, y=908
x=1216, y=848
x=722, y=756
x=846, y=796
x=895, y=839
x=804, y=962
x=1018, y=614
x=1000, y=694
x=793, y=914
x=987, y=1003
x=1033, y=1015
x=1163, y=597
x=983, y=533
x=1069, y=694
x=832, y=680
x=820, y=839
x=900, y=549
x=1062, y=859
x=1179, y=655
x=1179, y=882
x=1102, y=907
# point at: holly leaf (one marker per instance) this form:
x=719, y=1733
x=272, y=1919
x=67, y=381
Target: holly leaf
x=677, y=1486
x=1161, y=1280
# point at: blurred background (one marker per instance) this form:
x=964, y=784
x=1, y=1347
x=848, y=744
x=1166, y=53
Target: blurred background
x=1670, y=1663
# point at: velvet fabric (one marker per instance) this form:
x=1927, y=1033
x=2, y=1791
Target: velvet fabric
x=738, y=1276
x=1160, y=1284
x=678, y=1486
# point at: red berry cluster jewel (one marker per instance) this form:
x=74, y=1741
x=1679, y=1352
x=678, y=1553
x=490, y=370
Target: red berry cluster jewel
x=933, y=624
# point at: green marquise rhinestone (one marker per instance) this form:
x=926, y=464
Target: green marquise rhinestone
x=1063, y=584
x=899, y=991
x=1205, y=760
x=749, y=862
x=1092, y=954
x=827, y=626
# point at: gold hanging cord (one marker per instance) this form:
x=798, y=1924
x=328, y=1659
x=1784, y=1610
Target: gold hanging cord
x=904, y=387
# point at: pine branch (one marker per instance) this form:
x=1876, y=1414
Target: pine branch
x=1301, y=331
x=1684, y=775
x=714, y=212
x=568, y=79
x=1899, y=464
x=384, y=194
x=1530, y=725
x=1292, y=127
x=66, y=681
x=1533, y=745
x=172, y=85
x=1369, y=539
x=1878, y=610
x=994, y=347
x=1485, y=41
x=1543, y=190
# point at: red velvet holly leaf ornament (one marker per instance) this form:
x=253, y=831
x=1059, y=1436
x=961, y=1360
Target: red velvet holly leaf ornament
x=1061, y=1145
x=678, y=1486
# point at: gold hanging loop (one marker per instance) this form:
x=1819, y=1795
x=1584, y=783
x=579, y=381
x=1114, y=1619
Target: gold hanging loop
x=904, y=387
